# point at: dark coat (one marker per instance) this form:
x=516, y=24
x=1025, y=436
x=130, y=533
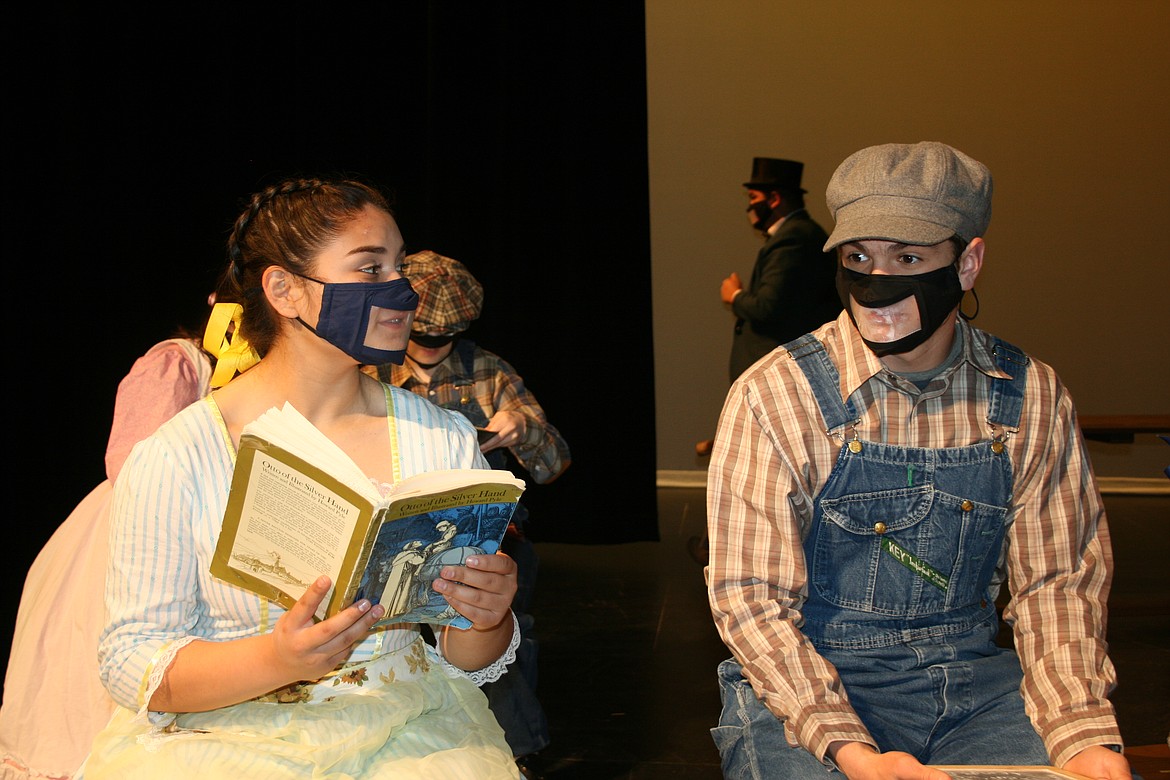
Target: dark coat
x=792, y=292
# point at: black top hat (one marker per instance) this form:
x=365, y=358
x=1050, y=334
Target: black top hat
x=769, y=173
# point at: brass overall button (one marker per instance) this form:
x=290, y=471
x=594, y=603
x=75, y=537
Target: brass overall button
x=879, y=528
x=966, y=506
x=855, y=446
x=997, y=447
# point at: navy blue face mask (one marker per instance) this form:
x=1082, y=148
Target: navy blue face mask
x=345, y=316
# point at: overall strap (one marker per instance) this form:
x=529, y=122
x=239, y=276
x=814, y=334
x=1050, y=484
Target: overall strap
x=812, y=357
x=465, y=349
x=497, y=459
x=1007, y=395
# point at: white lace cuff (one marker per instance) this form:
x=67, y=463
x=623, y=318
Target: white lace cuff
x=154, y=678
x=492, y=671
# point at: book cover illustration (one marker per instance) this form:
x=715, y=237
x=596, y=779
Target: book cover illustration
x=409, y=552
x=268, y=566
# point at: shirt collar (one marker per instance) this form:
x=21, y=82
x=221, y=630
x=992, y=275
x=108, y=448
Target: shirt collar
x=977, y=348
x=776, y=225
x=403, y=376
x=859, y=364
x=400, y=375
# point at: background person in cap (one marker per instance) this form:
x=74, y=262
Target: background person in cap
x=455, y=373
x=872, y=486
x=791, y=288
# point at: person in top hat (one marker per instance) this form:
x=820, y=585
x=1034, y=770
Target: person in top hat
x=873, y=486
x=791, y=288
x=442, y=364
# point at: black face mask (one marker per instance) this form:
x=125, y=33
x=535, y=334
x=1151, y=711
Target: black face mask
x=433, y=340
x=936, y=292
x=762, y=213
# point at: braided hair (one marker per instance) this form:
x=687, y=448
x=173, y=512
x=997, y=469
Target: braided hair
x=286, y=225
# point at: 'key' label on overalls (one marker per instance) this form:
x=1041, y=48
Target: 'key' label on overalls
x=919, y=567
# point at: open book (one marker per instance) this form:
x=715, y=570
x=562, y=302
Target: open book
x=1008, y=772
x=299, y=507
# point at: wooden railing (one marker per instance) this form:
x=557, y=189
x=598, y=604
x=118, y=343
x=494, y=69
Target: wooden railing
x=1122, y=427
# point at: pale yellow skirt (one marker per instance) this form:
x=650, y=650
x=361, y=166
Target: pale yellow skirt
x=397, y=717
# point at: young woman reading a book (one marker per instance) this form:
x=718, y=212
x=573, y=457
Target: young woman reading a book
x=216, y=682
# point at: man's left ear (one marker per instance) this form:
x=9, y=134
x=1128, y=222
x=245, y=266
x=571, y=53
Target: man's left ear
x=971, y=263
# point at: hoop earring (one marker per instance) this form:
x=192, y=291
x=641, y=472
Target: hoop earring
x=964, y=315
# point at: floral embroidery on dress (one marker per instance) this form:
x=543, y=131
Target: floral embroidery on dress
x=296, y=693
x=416, y=659
x=356, y=676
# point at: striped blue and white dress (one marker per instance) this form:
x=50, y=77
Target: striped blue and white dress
x=396, y=710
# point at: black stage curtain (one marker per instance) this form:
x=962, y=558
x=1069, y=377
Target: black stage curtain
x=513, y=135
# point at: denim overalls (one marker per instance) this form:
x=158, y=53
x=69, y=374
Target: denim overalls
x=900, y=557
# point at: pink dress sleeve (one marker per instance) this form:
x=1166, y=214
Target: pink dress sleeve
x=169, y=377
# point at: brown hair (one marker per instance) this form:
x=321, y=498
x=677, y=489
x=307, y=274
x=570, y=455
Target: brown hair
x=286, y=225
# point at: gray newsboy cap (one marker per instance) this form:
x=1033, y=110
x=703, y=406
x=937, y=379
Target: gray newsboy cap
x=918, y=194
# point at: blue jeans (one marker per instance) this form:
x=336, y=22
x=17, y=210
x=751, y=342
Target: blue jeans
x=752, y=743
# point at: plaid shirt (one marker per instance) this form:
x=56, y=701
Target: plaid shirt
x=772, y=457
x=497, y=388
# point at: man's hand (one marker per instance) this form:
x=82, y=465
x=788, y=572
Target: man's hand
x=1099, y=763
x=859, y=761
x=731, y=287
x=510, y=428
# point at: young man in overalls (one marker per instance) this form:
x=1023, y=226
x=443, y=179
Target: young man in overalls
x=871, y=487
x=445, y=366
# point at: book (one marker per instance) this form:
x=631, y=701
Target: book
x=299, y=507
x=1007, y=772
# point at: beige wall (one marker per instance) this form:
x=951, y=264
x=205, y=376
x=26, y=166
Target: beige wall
x=1066, y=101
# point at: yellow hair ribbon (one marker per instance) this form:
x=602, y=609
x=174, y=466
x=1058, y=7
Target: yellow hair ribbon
x=232, y=352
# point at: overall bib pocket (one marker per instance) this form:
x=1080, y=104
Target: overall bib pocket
x=905, y=552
